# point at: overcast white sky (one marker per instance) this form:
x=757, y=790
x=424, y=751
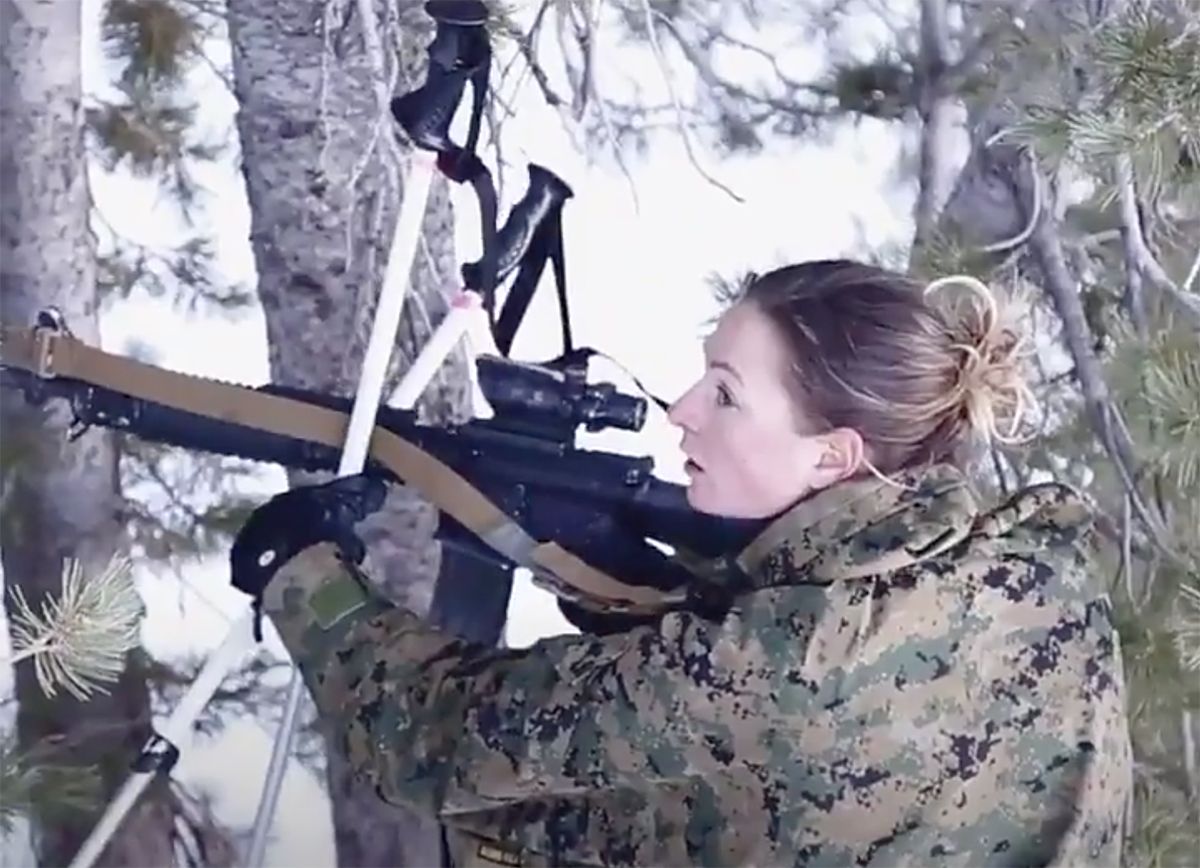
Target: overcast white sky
x=636, y=278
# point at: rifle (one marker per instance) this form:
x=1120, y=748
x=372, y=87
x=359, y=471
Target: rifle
x=513, y=490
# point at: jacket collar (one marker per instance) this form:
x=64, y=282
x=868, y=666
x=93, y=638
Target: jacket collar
x=862, y=527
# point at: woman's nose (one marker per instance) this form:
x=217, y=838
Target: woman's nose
x=679, y=414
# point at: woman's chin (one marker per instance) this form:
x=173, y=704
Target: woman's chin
x=700, y=498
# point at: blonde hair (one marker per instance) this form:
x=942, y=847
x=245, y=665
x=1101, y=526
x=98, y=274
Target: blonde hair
x=988, y=328
x=921, y=372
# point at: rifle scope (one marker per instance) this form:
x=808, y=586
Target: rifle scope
x=556, y=398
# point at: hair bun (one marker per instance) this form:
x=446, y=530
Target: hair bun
x=992, y=390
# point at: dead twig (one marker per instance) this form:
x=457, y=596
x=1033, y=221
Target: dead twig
x=660, y=56
x=1138, y=252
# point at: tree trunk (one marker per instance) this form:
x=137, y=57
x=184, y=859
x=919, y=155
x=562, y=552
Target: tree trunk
x=62, y=496
x=324, y=174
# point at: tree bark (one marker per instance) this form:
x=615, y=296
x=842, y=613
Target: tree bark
x=62, y=496
x=323, y=175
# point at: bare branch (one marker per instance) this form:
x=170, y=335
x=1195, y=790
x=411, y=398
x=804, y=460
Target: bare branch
x=1060, y=286
x=1138, y=253
x=664, y=66
x=935, y=105
x=583, y=86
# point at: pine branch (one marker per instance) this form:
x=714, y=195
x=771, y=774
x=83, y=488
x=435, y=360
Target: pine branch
x=32, y=780
x=1137, y=252
x=155, y=39
x=78, y=642
x=1059, y=284
x=152, y=134
x=185, y=274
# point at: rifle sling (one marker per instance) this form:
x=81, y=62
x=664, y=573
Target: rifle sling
x=48, y=353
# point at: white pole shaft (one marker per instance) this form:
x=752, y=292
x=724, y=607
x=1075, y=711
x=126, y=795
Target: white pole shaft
x=441, y=343
x=401, y=257
x=177, y=731
x=387, y=316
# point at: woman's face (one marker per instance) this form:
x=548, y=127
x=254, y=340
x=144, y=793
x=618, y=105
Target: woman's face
x=742, y=431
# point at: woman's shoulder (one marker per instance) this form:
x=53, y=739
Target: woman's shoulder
x=1035, y=542
x=1018, y=569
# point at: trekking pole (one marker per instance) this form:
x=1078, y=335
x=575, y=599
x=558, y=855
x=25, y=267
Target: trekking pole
x=161, y=751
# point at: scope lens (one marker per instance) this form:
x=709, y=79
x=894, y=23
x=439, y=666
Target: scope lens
x=615, y=410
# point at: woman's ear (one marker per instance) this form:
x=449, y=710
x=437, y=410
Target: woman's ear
x=842, y=455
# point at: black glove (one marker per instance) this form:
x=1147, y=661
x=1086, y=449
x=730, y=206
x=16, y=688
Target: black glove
x=299, y=518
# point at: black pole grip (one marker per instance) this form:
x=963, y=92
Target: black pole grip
x=541, y=203
x=460, y=51
x=426, y=113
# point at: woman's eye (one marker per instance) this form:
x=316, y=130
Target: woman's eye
x=724, y=397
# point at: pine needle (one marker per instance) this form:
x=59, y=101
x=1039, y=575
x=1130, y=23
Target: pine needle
x=1187, y=629
x=29, y=781
x=1172, y=389
x=79, y=641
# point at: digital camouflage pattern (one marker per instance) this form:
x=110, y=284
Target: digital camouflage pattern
x=910, y=683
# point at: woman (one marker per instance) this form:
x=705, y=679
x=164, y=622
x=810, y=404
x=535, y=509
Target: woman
x=910, y=680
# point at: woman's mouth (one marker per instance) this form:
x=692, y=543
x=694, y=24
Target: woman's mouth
x=691, y=467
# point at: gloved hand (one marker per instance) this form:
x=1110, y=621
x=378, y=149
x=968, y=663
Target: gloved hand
x=299, y=518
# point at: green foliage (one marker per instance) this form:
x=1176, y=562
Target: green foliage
x=145, y=126
x=33, y=778
x=1143, y=101
x=78, y=642
x=1158, y=380
x=149, y=126
x=156, y=39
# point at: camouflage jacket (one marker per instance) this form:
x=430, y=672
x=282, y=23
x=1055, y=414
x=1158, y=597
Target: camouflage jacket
x=910, y=682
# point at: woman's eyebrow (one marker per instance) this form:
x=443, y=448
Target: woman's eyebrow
x=728, y=368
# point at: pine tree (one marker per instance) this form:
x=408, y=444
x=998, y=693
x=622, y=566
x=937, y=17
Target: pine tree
x=74, y=746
